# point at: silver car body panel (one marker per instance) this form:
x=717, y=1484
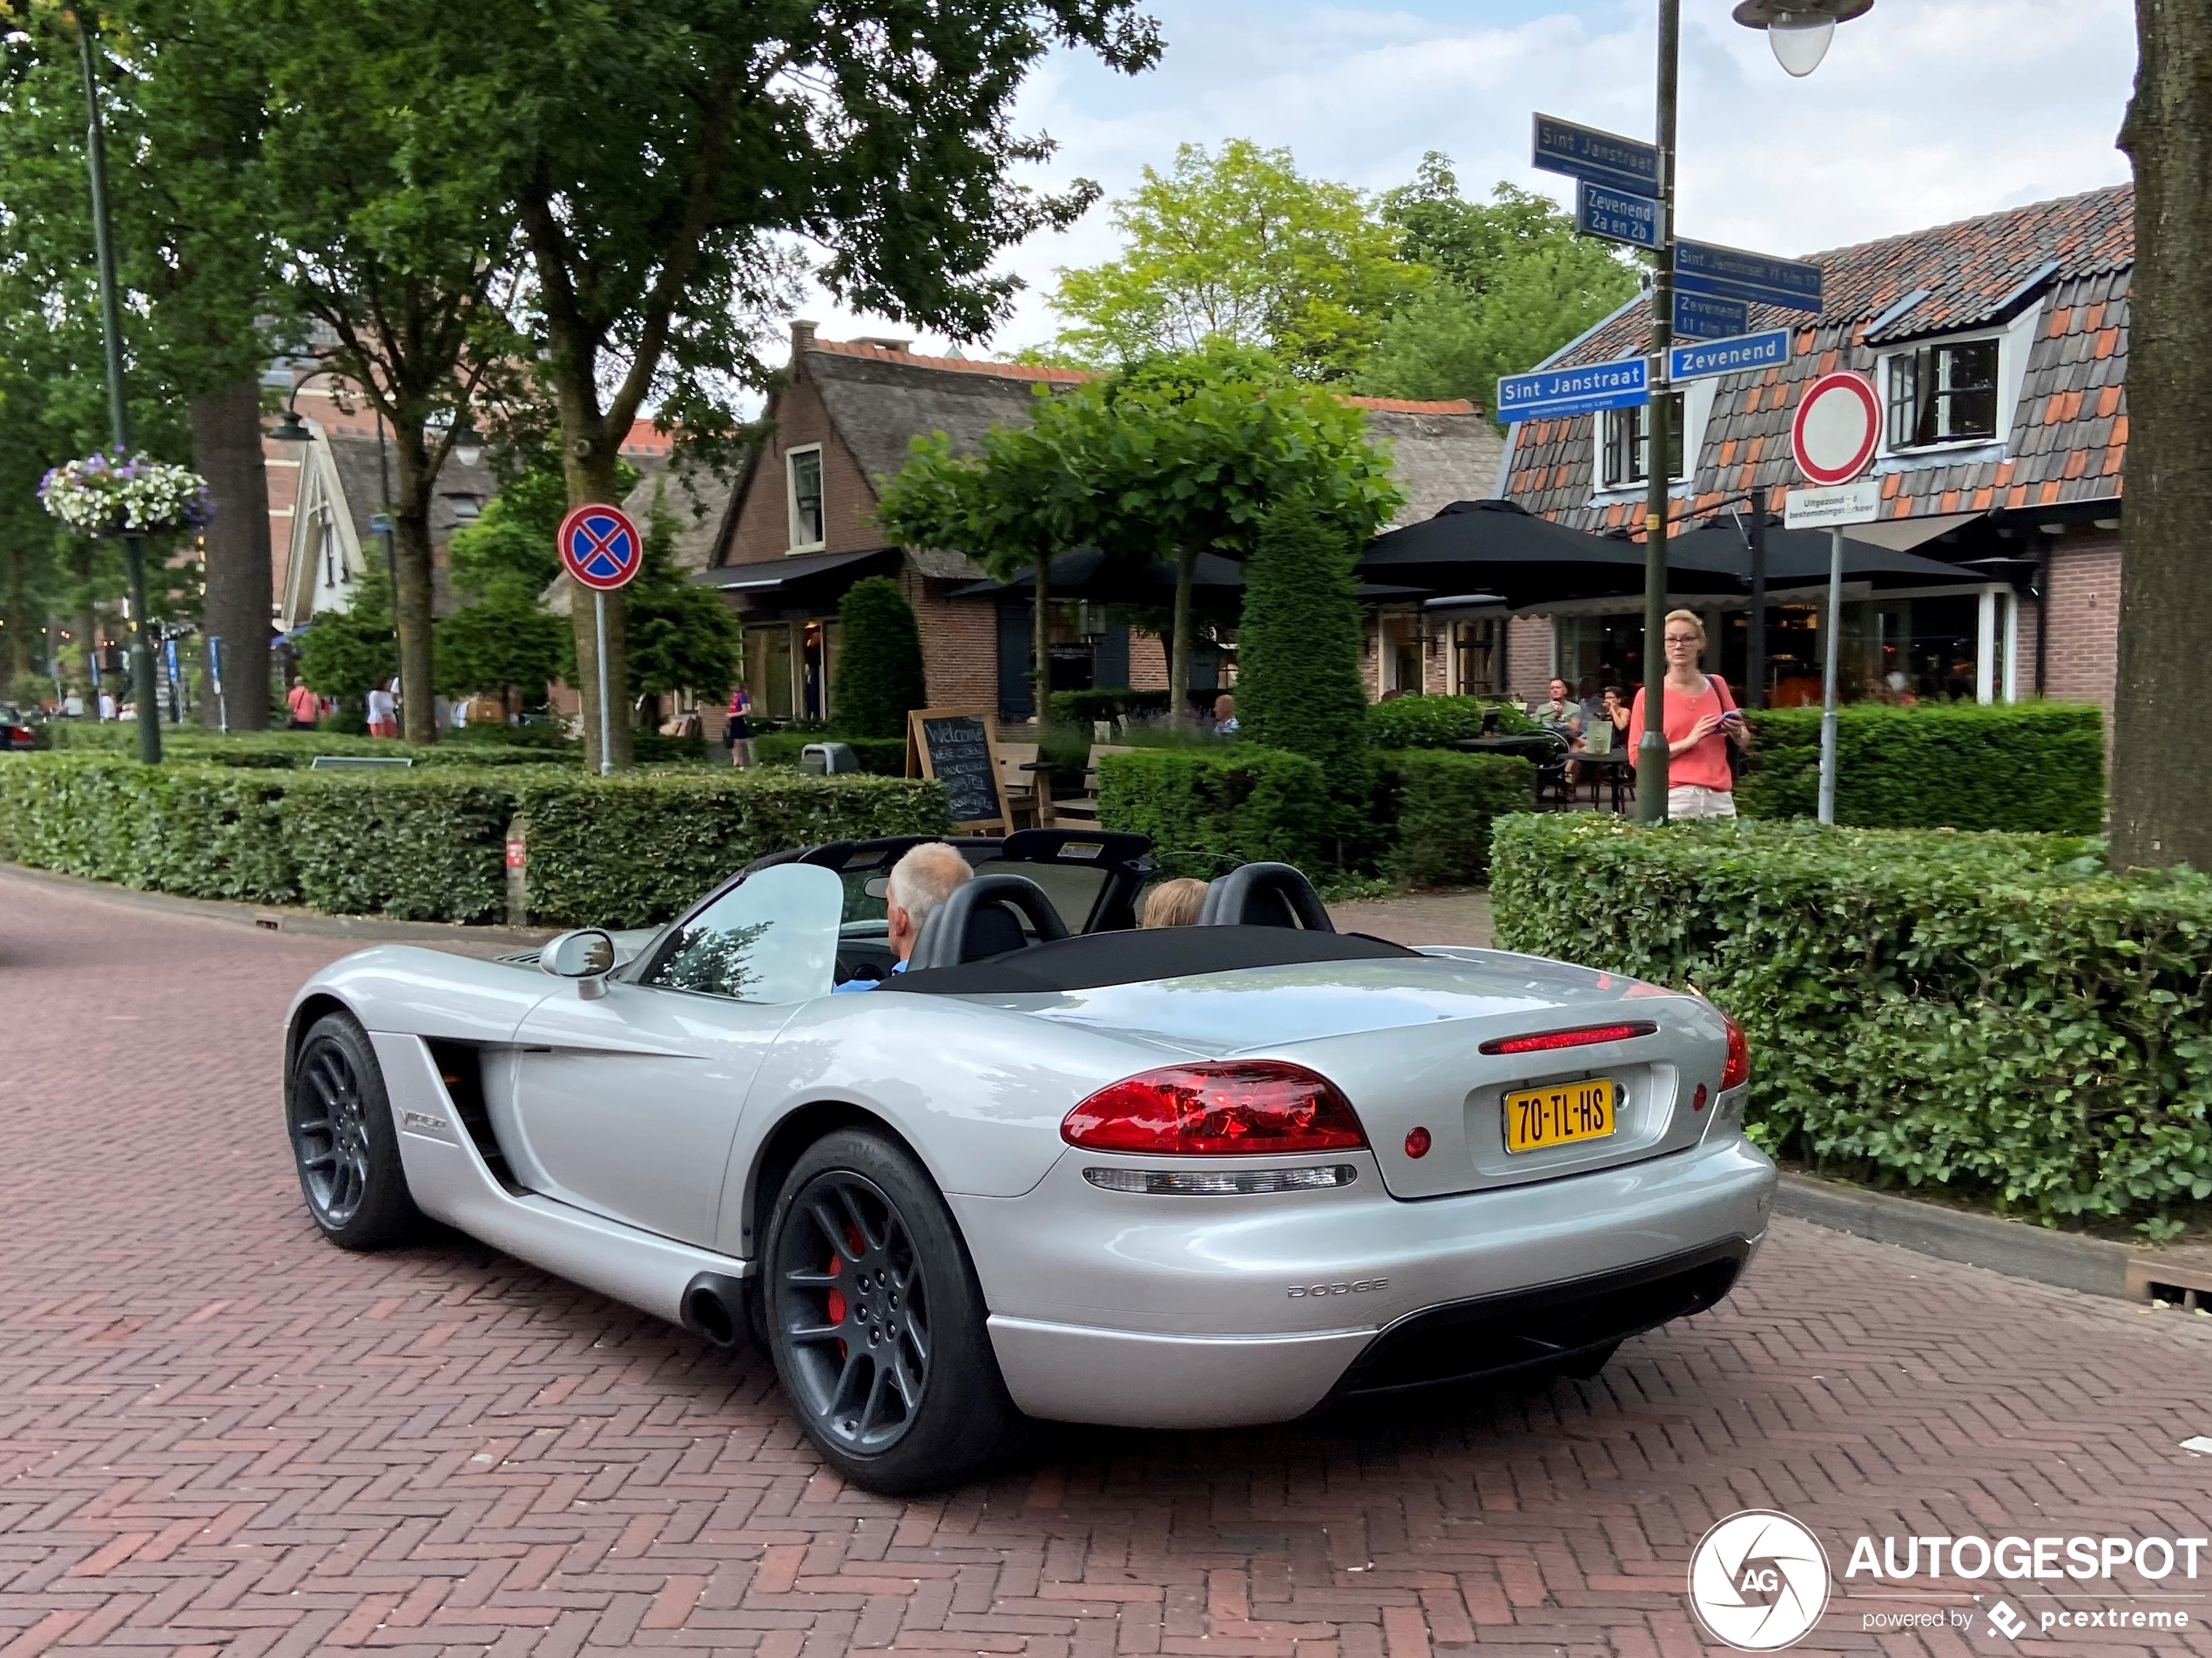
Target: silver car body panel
x=1104, y=1306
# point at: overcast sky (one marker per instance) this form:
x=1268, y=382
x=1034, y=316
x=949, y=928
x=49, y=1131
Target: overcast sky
x=1926, y=111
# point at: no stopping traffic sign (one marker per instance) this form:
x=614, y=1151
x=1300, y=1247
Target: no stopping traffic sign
x=600, y=547
x=1839, y=423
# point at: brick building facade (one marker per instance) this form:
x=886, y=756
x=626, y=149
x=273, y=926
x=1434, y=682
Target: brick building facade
x=800, y=529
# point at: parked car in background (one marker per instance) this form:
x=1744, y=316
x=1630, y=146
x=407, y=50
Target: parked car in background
x=16, y=729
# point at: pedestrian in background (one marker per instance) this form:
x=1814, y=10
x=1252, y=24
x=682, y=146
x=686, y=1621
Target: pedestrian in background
x=304, y=705
x=1701, y=722
x=383, y=712
x=738, y=727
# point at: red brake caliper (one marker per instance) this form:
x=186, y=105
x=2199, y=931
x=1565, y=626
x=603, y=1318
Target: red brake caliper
x=836, y=1297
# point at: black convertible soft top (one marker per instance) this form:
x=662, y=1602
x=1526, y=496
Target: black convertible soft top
x=1089, y=961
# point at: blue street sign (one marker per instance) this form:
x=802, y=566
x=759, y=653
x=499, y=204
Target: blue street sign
x=1727, y=356
x=1600, y=158
x=1698, y=316
x=1550, y=393
x=1731, y=273
x=1616, y=216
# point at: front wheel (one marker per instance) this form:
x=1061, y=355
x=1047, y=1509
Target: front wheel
x=343, y=1142
x=876, y=1322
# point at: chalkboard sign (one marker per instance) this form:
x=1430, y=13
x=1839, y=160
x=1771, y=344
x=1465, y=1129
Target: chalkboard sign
x=959, y=747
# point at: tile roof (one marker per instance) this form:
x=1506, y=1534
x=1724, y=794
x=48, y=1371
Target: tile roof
x=955, y=364
x=2071, y=258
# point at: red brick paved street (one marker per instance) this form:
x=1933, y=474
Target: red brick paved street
x=220, y=1435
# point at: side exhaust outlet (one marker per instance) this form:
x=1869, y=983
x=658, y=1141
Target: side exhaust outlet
x=714, y=1310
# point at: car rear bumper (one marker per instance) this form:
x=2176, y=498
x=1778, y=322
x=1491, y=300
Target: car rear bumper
x=1194, y=1312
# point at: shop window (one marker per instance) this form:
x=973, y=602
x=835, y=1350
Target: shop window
x=804, y=468
x=1479, y=657
x=1626, y=456
x=1943, y=395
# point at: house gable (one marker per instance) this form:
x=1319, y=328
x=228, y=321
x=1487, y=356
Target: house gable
x=2059, y=271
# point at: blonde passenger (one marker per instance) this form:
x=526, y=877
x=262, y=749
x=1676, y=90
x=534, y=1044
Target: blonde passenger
x=1175, y=903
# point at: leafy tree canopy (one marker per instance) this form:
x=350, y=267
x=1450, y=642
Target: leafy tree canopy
x=345, y=653
x=681, y=638
x=1239, y=246
x=1518, y=284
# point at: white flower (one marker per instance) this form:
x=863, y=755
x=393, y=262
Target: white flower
x=113, y=493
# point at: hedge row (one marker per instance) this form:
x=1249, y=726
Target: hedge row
x=282, y=751
x=628, y=850
x=1439, y=722
x=879, y=756
x=1959, y=765
x=1989, y=1012
x=1444, y=806
x=1207, y=808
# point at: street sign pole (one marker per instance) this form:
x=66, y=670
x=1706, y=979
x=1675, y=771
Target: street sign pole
x=599, y=625
x=1828, y=676
x=1755, y=637
x=1651, y=752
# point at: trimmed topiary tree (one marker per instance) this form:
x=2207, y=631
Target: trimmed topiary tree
x=1298, y=684
x=879, y=673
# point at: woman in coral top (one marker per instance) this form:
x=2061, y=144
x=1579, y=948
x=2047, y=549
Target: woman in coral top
x=1702, y=720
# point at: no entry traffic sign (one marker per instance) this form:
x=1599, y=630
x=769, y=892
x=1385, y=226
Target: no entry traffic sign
x=600, y=547
x=1839, y=423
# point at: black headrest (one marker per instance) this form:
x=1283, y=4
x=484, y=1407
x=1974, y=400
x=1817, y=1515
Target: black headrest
x=983, y=917
x=1265, y=895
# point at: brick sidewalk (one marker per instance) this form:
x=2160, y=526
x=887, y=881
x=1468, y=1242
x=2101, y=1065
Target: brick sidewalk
x=220, y=1435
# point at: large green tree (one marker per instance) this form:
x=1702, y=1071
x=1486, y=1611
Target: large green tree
x=1237, y=245
x=1184, y=455
x=2162, y=811
x=663, y=160
x=1515, y=284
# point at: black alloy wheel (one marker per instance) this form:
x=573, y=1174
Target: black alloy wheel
x=861, y=1359
x=876, y=1322
x=343, y=1140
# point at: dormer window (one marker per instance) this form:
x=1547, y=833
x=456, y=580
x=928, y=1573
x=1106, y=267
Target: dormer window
x=804, y=470
x=1626, y=459
x=1943, y=395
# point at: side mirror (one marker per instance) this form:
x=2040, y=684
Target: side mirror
x=586, y=955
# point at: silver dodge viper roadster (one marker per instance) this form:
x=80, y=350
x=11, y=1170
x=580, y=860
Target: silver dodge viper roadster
x=1060, y=1168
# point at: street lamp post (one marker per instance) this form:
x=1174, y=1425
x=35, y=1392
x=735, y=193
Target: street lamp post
x=118, y=411
x=1799, y=31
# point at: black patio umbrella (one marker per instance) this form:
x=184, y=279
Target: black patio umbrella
x=1798, y=558
x=1089, y=575
x=1501, y=548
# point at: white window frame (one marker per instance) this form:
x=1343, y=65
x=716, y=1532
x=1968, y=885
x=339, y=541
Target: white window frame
x=2015, y=343
x=791, y=498
x=1697, y=411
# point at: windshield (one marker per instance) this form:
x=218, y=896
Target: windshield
x=772, y=939
x=1073, y=888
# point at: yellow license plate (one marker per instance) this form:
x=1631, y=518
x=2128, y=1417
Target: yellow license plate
x=1539, y=1118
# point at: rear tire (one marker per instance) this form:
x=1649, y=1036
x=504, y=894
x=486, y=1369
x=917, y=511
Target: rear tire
x=876, y=1322
x=344, y=1144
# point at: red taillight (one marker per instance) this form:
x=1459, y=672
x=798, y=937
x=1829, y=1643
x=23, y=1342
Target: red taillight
x=1581, y=1036
x=1254, y=1105
x=1737, y=1071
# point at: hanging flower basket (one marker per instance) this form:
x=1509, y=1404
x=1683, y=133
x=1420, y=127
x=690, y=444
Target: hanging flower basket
x=110, y=495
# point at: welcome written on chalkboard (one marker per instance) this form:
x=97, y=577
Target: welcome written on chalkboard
x=959, y=747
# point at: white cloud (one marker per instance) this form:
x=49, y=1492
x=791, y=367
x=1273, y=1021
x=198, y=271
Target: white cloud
x=1926, y=111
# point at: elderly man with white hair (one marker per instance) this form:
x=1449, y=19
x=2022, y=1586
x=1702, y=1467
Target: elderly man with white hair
x=920, y=880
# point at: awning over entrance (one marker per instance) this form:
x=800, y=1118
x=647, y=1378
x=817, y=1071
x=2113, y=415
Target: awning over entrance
x=770, y=577
x=1903, y=535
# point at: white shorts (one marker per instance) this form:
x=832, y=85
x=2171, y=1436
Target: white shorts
x=1694, y=801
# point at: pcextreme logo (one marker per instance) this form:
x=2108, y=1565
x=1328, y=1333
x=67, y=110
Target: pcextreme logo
x=1759, y=1581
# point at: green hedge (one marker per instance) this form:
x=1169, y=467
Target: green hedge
x=1205, y=807
x=632, y=850
x=628, y=851
x=1444, y=805
x=1439, y=722
x=879, y=756
x=1989, y=1012
x=279, y=750
x=1957, y=766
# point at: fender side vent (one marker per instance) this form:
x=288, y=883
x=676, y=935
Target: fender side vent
x=460, y=1068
